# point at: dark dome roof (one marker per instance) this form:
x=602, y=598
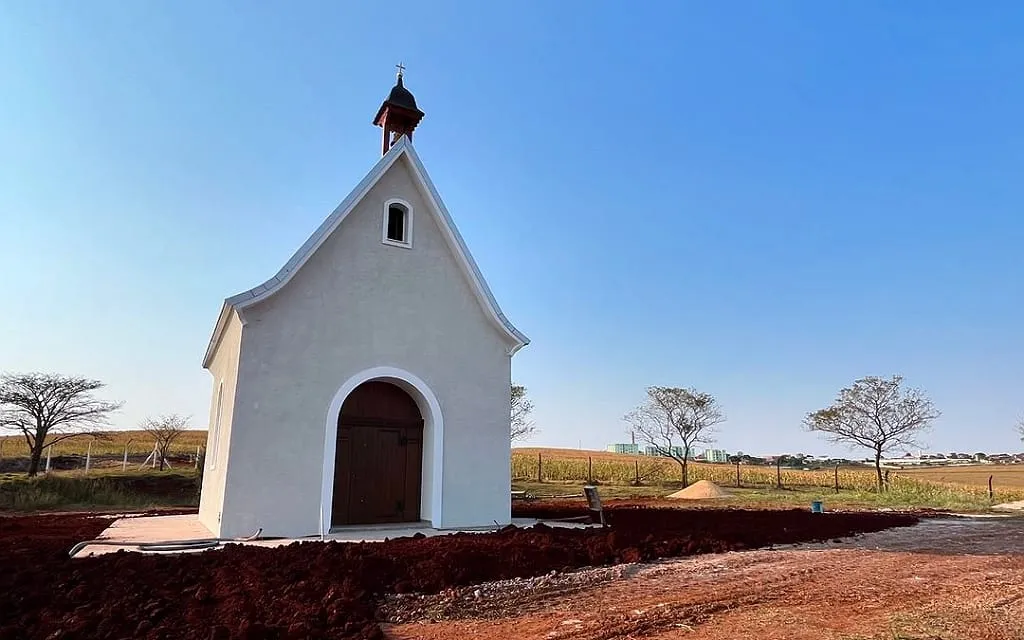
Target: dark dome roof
x=401, y=97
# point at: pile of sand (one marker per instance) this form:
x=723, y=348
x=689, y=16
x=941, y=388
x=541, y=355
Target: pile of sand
x=701, y=490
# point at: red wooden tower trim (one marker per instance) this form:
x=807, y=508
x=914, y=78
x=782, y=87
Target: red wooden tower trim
x=398, y=114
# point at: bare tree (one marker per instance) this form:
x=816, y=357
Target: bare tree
x=1020, y=427
x=670, y=415
x=47, y=408
x=164, y=431
x=876, y=413
x=522, y=425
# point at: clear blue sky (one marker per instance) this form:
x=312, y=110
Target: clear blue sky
x=762, y=200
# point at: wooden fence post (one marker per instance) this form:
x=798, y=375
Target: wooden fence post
x=990, y=487
x=737, y=472
x=636, y=469
x=88, y=457
x=837, y=478
x=540, y=464
x=590, y=470
x=778, y=472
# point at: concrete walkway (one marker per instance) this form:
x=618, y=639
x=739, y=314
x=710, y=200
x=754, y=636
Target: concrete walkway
x=129, y=532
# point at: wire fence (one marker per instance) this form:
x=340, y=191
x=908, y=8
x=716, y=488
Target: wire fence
x=98, y=455
x=647, y=470
x=658, y=470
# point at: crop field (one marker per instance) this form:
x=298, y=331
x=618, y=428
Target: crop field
x=1004, y=476
x=951, y=487
x=560, y=465
x=107, y=443
x=550, y=471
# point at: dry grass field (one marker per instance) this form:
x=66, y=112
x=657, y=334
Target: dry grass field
x=616, y=468
x=1005, y=476
x=576, y=454
x=622, y=474
x=106, y=443
x=1010, y=476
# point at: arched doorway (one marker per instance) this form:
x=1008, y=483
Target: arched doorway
x=378, y=457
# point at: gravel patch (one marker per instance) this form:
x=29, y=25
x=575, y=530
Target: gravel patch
x=498, y=599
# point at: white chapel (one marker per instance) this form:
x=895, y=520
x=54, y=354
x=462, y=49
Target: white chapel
x=367, y=382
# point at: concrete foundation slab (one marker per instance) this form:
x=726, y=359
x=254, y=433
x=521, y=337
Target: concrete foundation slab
x=134, y=533
x=154, y=528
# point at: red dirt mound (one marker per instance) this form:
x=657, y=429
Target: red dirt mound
x=313, y=590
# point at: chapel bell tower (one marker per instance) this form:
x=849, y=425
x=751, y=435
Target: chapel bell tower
x=398, y=114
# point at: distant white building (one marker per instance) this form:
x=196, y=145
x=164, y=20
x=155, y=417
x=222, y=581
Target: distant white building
x=627, y=448
x=675, y=452
x=715, y=455
x=913, y=462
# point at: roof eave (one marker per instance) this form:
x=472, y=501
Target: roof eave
x=489, y=302
x=218, y=331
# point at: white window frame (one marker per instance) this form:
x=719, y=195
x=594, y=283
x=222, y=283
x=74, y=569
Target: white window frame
x=408, y=224
x=215, y=435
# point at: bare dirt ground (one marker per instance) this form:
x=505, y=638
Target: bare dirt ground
x=323, y=591
x=943, y=579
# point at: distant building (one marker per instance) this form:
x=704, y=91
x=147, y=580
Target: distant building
x=633, y=449
x=676, y=452
x=715, y=455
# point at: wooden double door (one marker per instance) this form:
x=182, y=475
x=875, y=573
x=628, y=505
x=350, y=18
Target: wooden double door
x=378, y=462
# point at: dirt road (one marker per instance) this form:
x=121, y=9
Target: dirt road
x=942, y=579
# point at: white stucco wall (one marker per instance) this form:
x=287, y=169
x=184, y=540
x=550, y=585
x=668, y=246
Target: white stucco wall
x=224, y=368
x=358, y=304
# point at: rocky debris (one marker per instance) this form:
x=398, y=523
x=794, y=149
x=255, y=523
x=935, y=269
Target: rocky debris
x=495, y=599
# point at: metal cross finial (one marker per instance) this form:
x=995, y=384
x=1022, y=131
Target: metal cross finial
x=401, y=68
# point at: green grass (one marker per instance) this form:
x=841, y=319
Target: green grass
x=75, y=490
x=561, y=468
x=901, y=496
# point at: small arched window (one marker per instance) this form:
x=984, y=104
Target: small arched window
x=397, y=223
